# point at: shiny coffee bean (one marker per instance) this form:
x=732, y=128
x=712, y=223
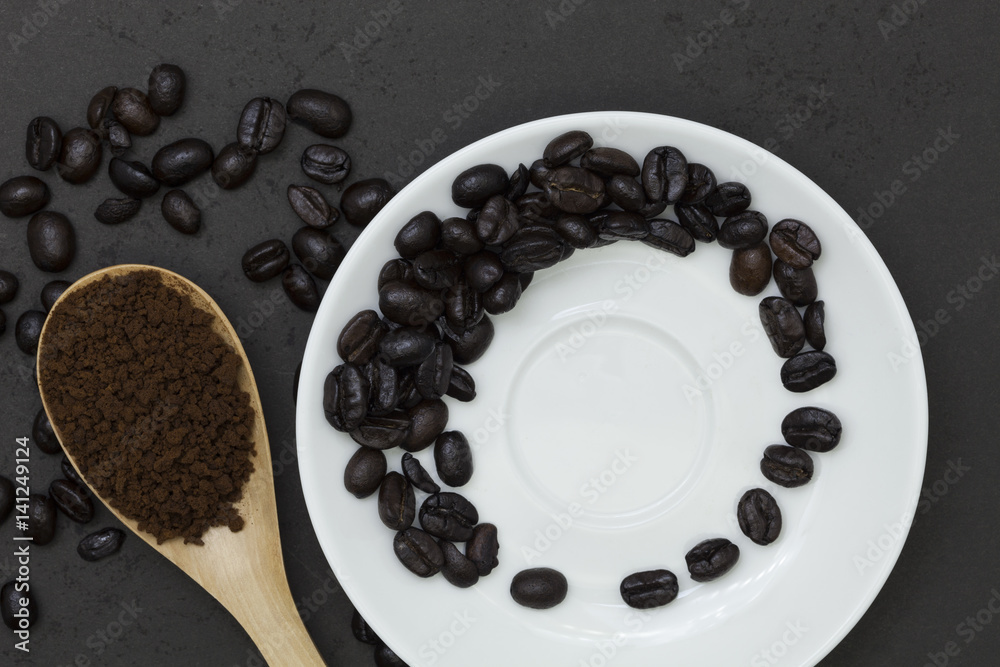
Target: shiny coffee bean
x=132, y=178
x=406, y=346
x=812, y=429
x=72, y=500
x=7, y=498
x=101, y=544
x=69, y=472
x=386, y=657
x=701, y=183
x=652, y=209
x=116, y=211
x=261, y=126
x=483, y=548
x=815, y=319
x=28, y=330
x=474, y=186
x=434, y=373
x=808, y=370
x=649, y=589
x=609, y=162
x=626, y=192
x=399, y=270
x=449, y=516
x=711, y=559
x=783, y=326
x=100, y=105
x=41, y=519
x=43, y=143
x=472, y=343
x=533, y=250
x=786, y=466
x=519, y=182
x=566, y=147
x=345, y=397
x=463, y=306
x=79, y=155
x=796, y=285
x=482, y=270
x=699, y=221
x=383, y=380
x=427, y=421
x=361, y=630
x=43, y=434
x=750, y=269
x=503, y=296
x=265, y=260
x=453, y=458
x=51, y=241
x=497, y=222
x=300, y=288
x=362, y=200
x=416, y=475
x=539, y=174
x=177, y=163
x=119, y=140
x=167, y=85
x=133, y=110
x=436, y=269
x=23, y=195
x=397, y=506
x=539, y=588
x=759, y=516
x=359, y=340
x=461, y=386
x=458, y=569
x=324, y=113
x=625, y=225
x=318, y=251
x=576, y=230
x=743, y=230
x=664, y=174
x=8, y=286
x=51, y=292
x=419, y=235
x=670, y=236
x=382, y=432
x=325, y=163
x=418, y=552
x=795, y=243
x=181, y=212
x=575, y=190
x=728, y=199
x=11, y=609
x=409, y=304
x=460, y=236
x=364, y=472
x=536, y=207
x=233, y=166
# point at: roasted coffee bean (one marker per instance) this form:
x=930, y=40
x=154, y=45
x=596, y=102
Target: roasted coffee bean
x=472, y=343
x=460, y=236
x=79, y=156
x=701, y=183
x=759, y=516
x=51, y=292
x=23, y=195
x=406, y=346
x=427, y=422
x=743, y=230
x=43, y=143
x=609, y=162
x=325, y=163
x=69, y=472
x=812, y=429
x=699, y=221
x=409, y=304
x=449, y=516
x=418, y=552
x=345, y=397
x=497, y=222
x=386, y=657
x=796, y=285
x=116, y=211
x=132, y=178
x=436, y=269
x=519, y=182
x=532, y=250
x=795, y=243
x=119, y=140
x=536, y=207
x=382, y=432
x=453, y=458
x=482, y=270
x=28, y=330
x=133, y=110
x=41, y=519
x=664, y=174
x=626, y=192
x=100, y=105
x=265, y=260
x=101, y=544
x=419, y=235
x=786, y=466
x=362, y=200
x=397, y=506
x=728, y=199
x=324, y=113
x=318, y=251
x=43, y=434
x=457, y=569
x=483, y=548
x=649, y=589
x=539, y=588
x=474, y=186
x=539, y=174
x=670, y=236
x=261, y=126
x=503, y=296
x=300, y=288
x=750, y=269
x=233, y=166
x=359, y=340
x=416, y=475
x=627, y=225
x=434, y=373
x=51, y=241
x=177, y=163
x=652, y=209
x=8, y=286
x=167, y=85
x=461, y=386
x=11, y=608
x=72, y=500
x=383, y=380
x=398, y=269
x=566, y=148
x=814, y=320
x=7, y=493
x=576, y=230
x=783, y=326
x=463, y=306
x=711, y=559
x=808, y=370
x=361, y=630
x=575, y=190
x=364, y=472
x=182, y=213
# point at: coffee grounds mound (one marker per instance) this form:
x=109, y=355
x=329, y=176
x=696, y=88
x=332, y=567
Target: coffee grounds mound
x=145, y=394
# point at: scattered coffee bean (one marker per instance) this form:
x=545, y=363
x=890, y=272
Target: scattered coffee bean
x=710, y=559
x=23, y=195
x=427, y=422
x=7, y=498
x=383, y=380
x=449, y=516
x=72, y=500
x=382, y=432
x=51, y=292
x=364, y=472
x=808, y=370
x=300, y=288
x=167, y=85
x=461, y=386
x=409, y=304
x=132, y=178
x=453, y=458
x=812, y=429
x=575, y=230
x=665, y=174
x=700, y=184
x=519, y=182
x=483, y=548
x=324, y=113
x=539, y=588
x=133, y=110
x=796, y=285
x=728, y=199
x=815, y=320
x=181, y=212
x=503, y=296
x=69, y=472
x=265, y=260
x=318, y=251
x=566, y=147
x=406, y=346
x=575, y=190
x=261, y=126
x=43, y=434
x=8, y=286
x=119, y=140
x=743, y=230
x=649, y=589
x=759, y=516
x=474, y=186
x=436, y=269
x=750, y=269
x=609, y=162
x=670, y=236
x=41, y=519
x=433, y=374
x=417, y=476
x=101, y=544
x=43, y=143
x=177, y=163
x=11, y=595
x=233, y=166
x=361, y=630
x=28, y=329
x=786, y=466
x=325, y=163
x=783, y=326
x=397, y=505
x=345, y=397
x=795, y=243
x=359, y=340
x=462, y=237
x=362, y=200
x=626, y=192
x=419, y=235
x=79, y=155
x=116, y=211
x=100, y=105
x=457, y=569
x=418, y=552
x=311, y=206
x=533, y=250
x=699, y=221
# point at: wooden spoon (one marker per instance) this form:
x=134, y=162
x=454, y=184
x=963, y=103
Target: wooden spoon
x=244, y=571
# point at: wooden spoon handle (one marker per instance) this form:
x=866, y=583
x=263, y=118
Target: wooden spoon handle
x=274, y=625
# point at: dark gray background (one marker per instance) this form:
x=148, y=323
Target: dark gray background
x=892, y=75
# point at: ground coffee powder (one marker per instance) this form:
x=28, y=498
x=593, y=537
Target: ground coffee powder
x=146, y=398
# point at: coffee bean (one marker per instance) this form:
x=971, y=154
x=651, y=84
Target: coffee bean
x=786, y=466
x=7, y=498
x=436, y=269
x=539, y=588
x=503, y=296
x=670, y=236
x=463, y=306
x=364, y=472
x=43, y=143
x=406, y=346
x=318, y=251
x=23, y=195
x=750, y=269
x=532, y=250
x=728, y=199
x=261, y=126
x=472, y=343
x=538, y=173
x=711, y=559
x=743, y=230
x=427, y=421
x=626, y=192
x=386, y=657
x=132, y=108
x=796, y=285
x=615, y=225
x=167, y=85
x=409, y=304
x=416, y=475
x=300, y=288
x=609, y=162
x=79, y=155
x=383, y=382
x=519, y=182
x=43, y=434
x=182, y=213
x=265, y=260
x=345, y=397
x=41, y=519
x=119, y=140
x=101, y=544
x=497, y=223
x=69, y=472
x=116, y=211
x=483, y=548
x=362, y=200
x=132, y=178
x=700, y=184
x=359, y=340
x=536, y=207
x=457, y=569
x=396, y=503
x=576, y=230
x=100, y=105
x=324, y=113
x=72, y=500
x=812, y=429
x=461, y=386
x=575, y=190
x=8, y=286
x=233, y=166
x=808, y=370
x=361, y=630
x=783, y=326
x=382, y=432
x=453, y=458
x=177, y=163
x=51, y=292
x=11, y=608
x=699, y=221
x=51, y=241
x=474, y=186
x=649, y=589
x=566, y=147
x=28, y=329
x=759, y=516
x=814, y=320
x=325, y=163
x=795, y=243
x=419, y=235
x=460, y=235
x=434, y=373
x=418, y=552
x=449, y=516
